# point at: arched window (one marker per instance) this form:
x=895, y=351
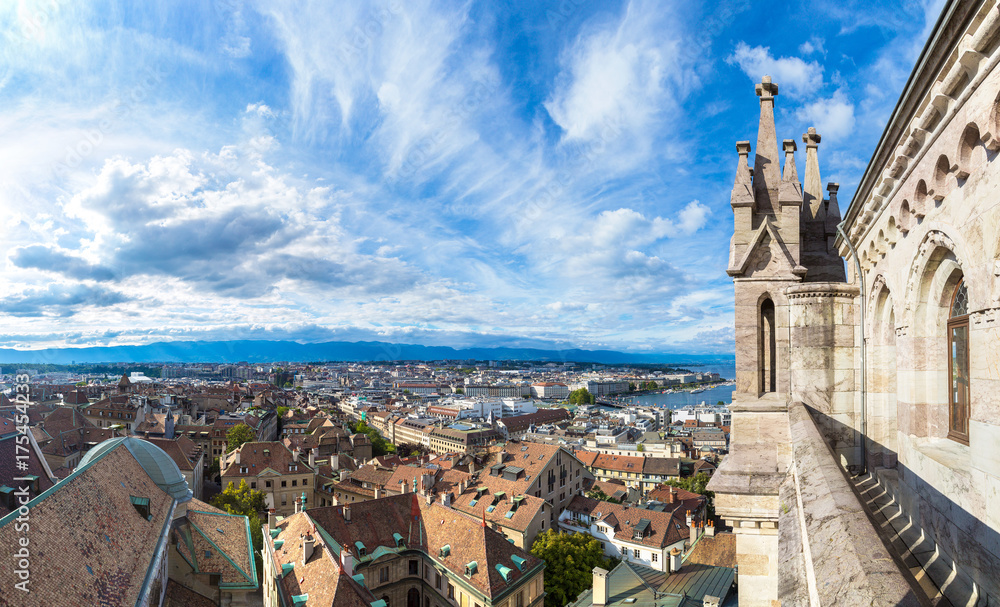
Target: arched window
x=766, y=348
x=958, y=365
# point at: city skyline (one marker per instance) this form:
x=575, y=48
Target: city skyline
x=461, y=175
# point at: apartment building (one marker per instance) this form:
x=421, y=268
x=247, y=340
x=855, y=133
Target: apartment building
x=274, y=469
x=394, y=551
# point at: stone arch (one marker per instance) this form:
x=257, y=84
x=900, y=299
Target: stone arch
x=936, y=270
x=882, y=247
x=892, y=231
x=968, y=146
x=905, y=217
x=942, y=170
x=920, y=194
x=881, y=370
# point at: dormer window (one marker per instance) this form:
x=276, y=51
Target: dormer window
x=141, y=505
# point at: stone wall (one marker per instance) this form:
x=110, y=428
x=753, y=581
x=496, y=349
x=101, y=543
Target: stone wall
x=823, y=358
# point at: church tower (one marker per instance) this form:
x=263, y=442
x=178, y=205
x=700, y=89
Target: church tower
x=788, y=283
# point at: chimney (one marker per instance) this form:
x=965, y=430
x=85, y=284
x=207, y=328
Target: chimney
x=694, y=531
x=347, y=562
x=446, y=500
x=429, y=497
x=675, y=560
x=335, y=461
x=312, y=458
x=673, y=494
x=710, y=529
x=295, y=454
x=237, y=456
x=600, y=586
x=378, y=493
x=272, y=519
x=298, y=505
x=344, y=473
x=308, y=545
x=347, y=513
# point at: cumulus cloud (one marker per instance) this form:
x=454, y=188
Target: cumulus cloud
x=40, y=257
x=832, y=116
x=799, y=76
x=59, y=300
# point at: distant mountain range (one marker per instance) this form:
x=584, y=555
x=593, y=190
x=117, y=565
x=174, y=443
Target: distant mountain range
x=259, y=351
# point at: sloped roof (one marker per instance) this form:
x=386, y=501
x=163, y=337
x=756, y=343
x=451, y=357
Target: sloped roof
x=373, y=523
x=90, y=545
x=212, y=541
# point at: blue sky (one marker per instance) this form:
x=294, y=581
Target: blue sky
x=549, y=174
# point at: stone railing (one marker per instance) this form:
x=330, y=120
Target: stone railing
x=829, y=551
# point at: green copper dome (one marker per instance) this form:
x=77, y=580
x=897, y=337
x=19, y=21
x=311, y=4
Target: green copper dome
x=155, y=461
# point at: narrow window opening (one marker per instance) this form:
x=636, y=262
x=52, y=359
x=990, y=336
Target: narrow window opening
x=958, y=365
x=767, y=348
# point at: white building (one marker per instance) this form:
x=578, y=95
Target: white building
x=548, y=389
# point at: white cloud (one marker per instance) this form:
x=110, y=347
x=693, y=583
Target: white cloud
x=800, y=77
x=622, y=75
x=832, y=116
x=815, y=44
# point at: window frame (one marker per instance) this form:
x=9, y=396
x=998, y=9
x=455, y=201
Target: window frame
x=963, y=408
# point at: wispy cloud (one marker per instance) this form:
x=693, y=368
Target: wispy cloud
x=407, y=171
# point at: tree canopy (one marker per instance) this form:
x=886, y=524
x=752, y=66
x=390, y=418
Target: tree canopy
x=237, y=435
x=697, y=484
x=581, y=396
x=242, y=500
x=597, y=494
x=380, y=446
x=569, y=563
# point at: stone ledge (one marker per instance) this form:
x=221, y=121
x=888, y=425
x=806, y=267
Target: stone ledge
x=821, y=289
x=830, y=549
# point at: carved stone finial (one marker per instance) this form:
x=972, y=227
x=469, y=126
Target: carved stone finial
x=811, y=138
x=766, y=88
x=743, y=148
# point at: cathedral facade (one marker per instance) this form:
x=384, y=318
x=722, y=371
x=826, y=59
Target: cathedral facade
x=865, y=451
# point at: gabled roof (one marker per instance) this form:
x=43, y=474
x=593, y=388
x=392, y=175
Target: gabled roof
x=427, y=528
x=212, y=541
x=93, y=547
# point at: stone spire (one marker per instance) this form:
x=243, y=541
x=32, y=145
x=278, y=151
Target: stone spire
x=743, y=186
x=766, y=172
x=790, y=173
x=813, y=198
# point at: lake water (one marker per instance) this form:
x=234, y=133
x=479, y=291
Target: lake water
x=678, y=400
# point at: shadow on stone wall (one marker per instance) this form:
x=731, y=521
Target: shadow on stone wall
x=953, y=534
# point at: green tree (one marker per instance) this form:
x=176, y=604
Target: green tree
x=697, y=484
x=242, y=500
x=380, y=446
x=580, y=396
x=569, y=563
x=459, y=390
x=281, y=411
x=597, y=494
x=722, y=403
x=80, y=384
x=640, y=447
x=237, y=435
x=213, y=469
